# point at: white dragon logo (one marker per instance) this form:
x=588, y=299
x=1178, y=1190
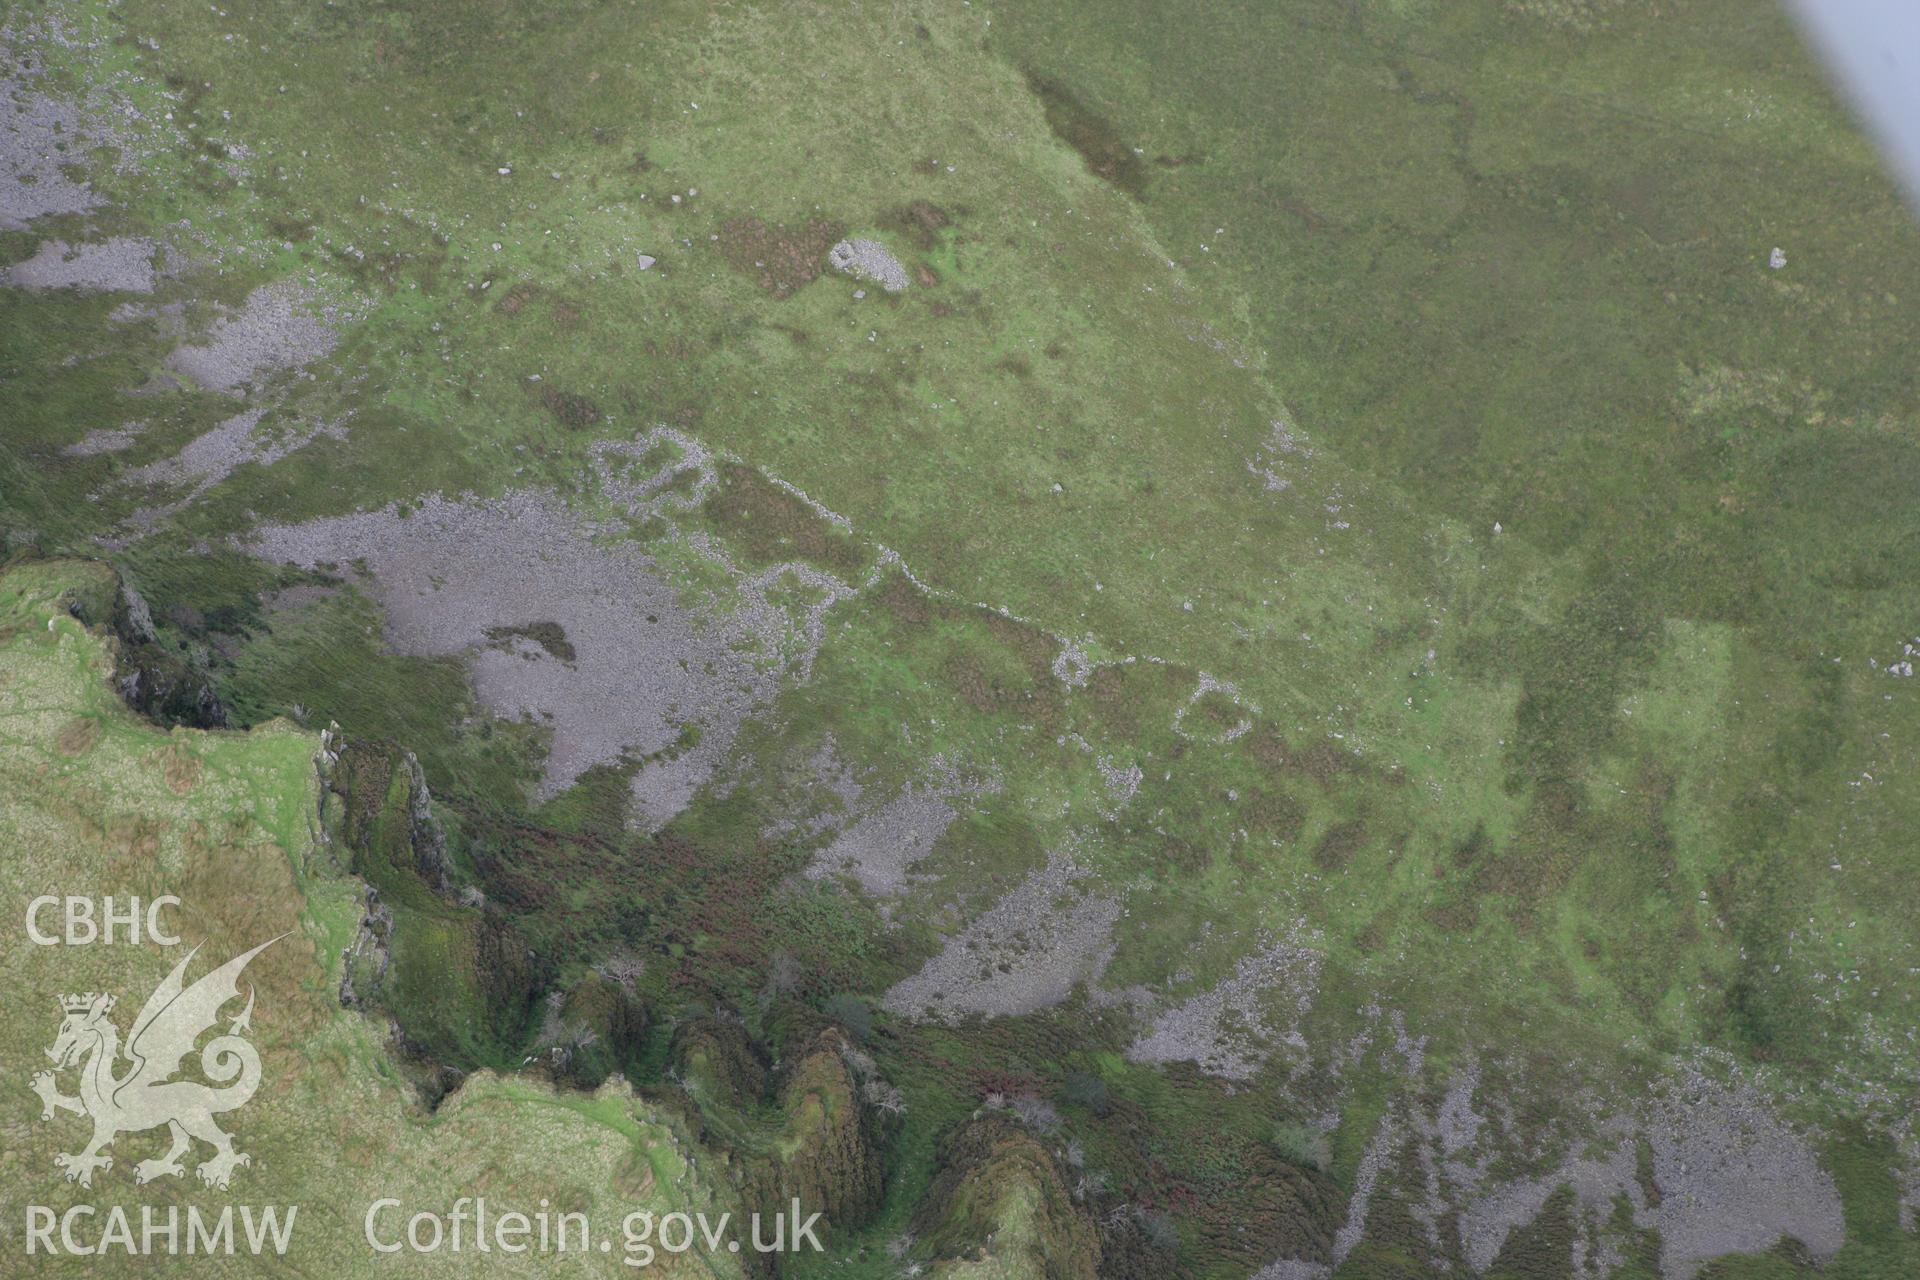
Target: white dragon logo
x=145, y=1097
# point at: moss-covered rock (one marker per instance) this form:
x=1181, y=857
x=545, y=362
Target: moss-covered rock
x=815, y=1129
x=830, y=1149
x=395, y=843
x=605, y=1028
x=457, y=978
x=718, y=1063
x=1000, y=1209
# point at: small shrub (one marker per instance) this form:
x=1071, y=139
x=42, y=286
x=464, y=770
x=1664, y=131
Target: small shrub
x=851, y=1012
x=1083, y=1089
x=1299, y=1145
x=1160, y=1232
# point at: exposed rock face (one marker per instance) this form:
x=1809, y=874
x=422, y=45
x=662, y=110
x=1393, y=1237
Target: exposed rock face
x=167, y=688
x=1702, y=1166
x=279, y=327
x=390, y=827
x=458, y=977
x=1733, y=1177
x=1229, y=1030
x=37, y=131
x=1027, y=952
x=1000, y=1209
x=473, y=579
x=880, y=849
x=151, y=678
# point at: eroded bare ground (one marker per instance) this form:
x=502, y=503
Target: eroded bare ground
x=1026, y=952
x=119, y=264
x=279, y=326
x=36, y=127
x=1231, y=1029
x=454, y=575
x=878, y=849
x=570, y=624
x=246, y=351
x=1703, y=1158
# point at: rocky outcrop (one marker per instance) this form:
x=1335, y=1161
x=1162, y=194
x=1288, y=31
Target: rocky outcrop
x=455, y=975
x=388, y=825
x=717, y=1062
x=830, y=1150
x=1000, y=1209
x=154, y=680
x=815, y=1128
x=596, y=1029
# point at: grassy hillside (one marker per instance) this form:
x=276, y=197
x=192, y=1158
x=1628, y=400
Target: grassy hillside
x=1336, y=644
x=100, y=803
